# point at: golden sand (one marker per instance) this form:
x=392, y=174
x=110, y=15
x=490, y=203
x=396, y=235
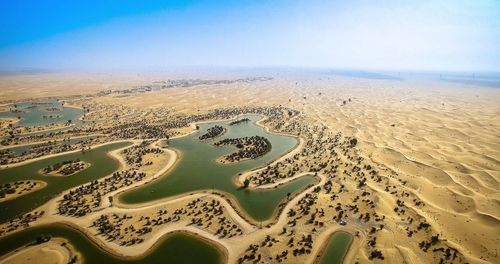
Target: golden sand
x=440, y=139
x=55, y=251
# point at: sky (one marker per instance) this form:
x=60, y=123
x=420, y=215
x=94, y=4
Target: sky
x=445, y=35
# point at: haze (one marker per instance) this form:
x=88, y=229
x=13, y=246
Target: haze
x=127, y=35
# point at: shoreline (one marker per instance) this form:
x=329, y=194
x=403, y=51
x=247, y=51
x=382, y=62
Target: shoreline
x=104, y=247
x=325, y=242
x=42, y=142
x=233, y=203
x=41, y=184
x=17, y=164
x=57, y=174
x=275, y=222
x=60, y=245
x=239, y=179
x=126, y=252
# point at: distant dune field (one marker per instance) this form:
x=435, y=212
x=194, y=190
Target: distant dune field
x=441, y=139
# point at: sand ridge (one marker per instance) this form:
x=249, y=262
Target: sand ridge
x=433, y=142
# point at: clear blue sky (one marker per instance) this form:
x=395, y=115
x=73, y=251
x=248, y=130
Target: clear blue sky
x=450, y=35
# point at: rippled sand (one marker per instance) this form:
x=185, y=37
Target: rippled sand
x=443, y=139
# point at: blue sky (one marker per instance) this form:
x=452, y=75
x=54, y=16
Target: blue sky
x=153, y=35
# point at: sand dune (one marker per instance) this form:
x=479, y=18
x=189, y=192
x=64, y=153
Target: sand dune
x=439, y=143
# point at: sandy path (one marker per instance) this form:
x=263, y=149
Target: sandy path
x=232, y=247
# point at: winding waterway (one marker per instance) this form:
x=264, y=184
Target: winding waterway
x=176, y=248
x=101, y=165
x=196, y=170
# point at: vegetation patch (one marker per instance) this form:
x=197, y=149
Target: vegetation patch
x=239, y=121
x=249, y=148
x=15, y=189
x=213, y=132
x=65, y=168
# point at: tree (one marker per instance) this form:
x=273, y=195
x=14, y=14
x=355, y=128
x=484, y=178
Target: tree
x=246, y=183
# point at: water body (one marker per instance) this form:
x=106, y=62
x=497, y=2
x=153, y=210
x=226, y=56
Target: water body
x=18, y=150
x=337, y=248
x=176, y=248
x=365, y=75
x=491, y=81
x=32, y=113
x=101, y=165
x=197, y=169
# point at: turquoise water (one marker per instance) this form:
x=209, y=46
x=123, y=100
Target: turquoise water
x=32, y=113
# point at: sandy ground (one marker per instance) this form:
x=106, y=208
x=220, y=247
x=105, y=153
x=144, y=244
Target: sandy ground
x=55, y=84
x=57, y=173
x=6, y=121
x=24, y=188
x=57, y=154
x=56, y=251
x=441, y=138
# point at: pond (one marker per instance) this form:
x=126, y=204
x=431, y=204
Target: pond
x=337, y=248
x=36, y=113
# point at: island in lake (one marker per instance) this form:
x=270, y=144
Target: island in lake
x=286, y=182
x=250, y=132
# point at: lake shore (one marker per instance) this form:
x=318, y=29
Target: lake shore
x=424, y=163
x=20, y=190
x=56, y=251
x=226, y=199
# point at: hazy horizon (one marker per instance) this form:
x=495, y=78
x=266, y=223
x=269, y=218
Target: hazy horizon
x=453, y=36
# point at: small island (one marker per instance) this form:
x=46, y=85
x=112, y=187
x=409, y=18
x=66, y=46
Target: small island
x=213, y=132
x=249, y=148
x=16, y=189
x=239, y=121
x=65, y=168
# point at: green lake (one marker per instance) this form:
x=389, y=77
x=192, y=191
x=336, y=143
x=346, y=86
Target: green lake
x=101, y=166
x=337, y=248
x=18, y=150
x=176, y=248
x=198, y=170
